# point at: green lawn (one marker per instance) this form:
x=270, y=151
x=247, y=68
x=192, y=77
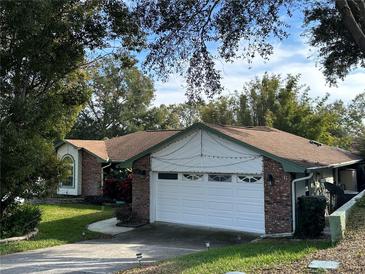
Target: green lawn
x=251, y=257
x=62, y=224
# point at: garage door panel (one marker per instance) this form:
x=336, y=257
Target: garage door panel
x=224, y=206
x=186, y=191
x=248, y=202
x=169, y=208
x=166, y=196
x=228, y=205
x=190, y=218
x=189, y=204
x=242, y=209
x=168, y=202
x=247, y=192
x=168, y=216
x=193, y=207
x=219, y=220
x=219, y=191
x=248, y=223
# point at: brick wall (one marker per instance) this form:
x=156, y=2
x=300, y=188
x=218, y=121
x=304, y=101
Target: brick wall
x=141, y=189
x=91, y=175
x=278, y=211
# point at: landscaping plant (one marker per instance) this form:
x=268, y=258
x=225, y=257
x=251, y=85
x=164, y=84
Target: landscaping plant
x=119, y=189
x=311, y=216
x=123, y=213
x=19, y=220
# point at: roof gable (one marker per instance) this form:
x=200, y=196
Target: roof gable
x=94, y=147
x=295, y=153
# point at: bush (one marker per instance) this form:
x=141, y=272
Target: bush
x=311, y=216
x=123, y=213
x=120, y=190
x=97, y=200
x=19, y=220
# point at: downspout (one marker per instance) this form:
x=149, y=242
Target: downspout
x=102, y=174
x=294, y=197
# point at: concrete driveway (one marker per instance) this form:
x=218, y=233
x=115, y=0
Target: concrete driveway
x=155, y=242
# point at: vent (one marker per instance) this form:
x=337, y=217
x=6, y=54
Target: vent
x=318, y=144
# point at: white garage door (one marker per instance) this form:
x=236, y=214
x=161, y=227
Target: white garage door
x=229, y=201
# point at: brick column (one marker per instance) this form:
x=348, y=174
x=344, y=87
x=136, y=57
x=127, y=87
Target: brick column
x=91, y=175
x=278, y=211
x=141, y=189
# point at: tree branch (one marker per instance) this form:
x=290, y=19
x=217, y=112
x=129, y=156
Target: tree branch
x=351, y=24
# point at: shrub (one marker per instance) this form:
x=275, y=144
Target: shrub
x=120, y=190
x=19, y=220
x=311, y=216
x=123, y=213
x=97, y=200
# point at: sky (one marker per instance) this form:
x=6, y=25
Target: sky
x=293, y=55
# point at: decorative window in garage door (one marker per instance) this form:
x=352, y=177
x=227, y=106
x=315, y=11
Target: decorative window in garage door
x=192, y=177
x=248, y=179
x=219, y=178
x=167, y=176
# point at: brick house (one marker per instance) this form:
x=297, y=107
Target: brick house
x=238, y=178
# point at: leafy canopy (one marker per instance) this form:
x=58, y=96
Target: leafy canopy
x=189, y=36
x=119, y=102
x=42, y=82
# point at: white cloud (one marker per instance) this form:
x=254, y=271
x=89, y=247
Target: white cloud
x=287, y=58
x=171, y=91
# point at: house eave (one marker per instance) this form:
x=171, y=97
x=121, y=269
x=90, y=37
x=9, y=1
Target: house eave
x=348, y=163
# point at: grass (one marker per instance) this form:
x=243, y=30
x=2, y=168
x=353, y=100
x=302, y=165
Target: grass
x=62, y=224
x=250, y=257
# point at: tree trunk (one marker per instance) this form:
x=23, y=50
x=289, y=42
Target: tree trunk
x=351, y=24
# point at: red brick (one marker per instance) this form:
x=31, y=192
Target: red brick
x=141, y=188
x=278, y=213
x=91, y=175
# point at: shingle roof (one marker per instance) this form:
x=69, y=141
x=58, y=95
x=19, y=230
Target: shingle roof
x=96, y=147
x=125, y=147
x=288, y=146
x=284, y=145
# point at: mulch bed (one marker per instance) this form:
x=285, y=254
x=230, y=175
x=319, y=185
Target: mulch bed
x=350, y=252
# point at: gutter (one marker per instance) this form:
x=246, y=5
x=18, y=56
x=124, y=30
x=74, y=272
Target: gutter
x=294, y=197
x=335, y=165
x=102, y=174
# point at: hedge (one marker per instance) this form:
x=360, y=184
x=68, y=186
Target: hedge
x=311, y=216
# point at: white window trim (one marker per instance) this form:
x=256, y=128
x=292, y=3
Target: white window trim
x=73, y=172
x=218, y=174
x=249, y=176
x=199, y=179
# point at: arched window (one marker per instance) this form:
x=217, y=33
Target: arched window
x=68, y=160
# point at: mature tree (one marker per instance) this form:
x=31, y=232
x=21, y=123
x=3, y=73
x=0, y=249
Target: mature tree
x=175, y=116
x=356, y=115
x=161, y=117
x=220, y=111
x=184, y=33
x=42, y=52
x=119, y=103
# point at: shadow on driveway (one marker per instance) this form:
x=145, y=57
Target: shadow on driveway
x=155, y=242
